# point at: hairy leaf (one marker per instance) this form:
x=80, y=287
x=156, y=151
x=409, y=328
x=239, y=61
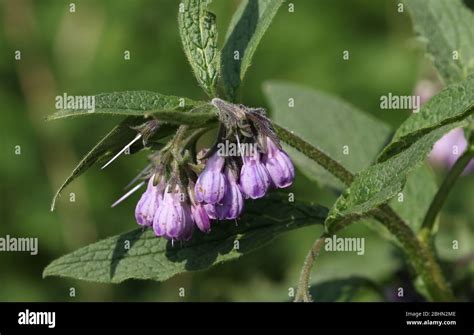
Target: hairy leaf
x=447, y=28
x=140, y=255
x=247, y=27
x=454, y=103
x=172, y=109
x=380, y=182
x=414, y=200
x=339, y=129
x=110, y=144
x=198, y=31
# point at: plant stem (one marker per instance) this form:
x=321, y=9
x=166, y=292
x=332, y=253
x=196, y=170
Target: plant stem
x=315, y=154
x=443, y=192
x=419, y=254
x=302, y=293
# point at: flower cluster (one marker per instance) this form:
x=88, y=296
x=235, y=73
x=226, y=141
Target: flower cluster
x=216, y=186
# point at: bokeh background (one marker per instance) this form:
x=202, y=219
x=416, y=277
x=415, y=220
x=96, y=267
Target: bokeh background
x=82, y=53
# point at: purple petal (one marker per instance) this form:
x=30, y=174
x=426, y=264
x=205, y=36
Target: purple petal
x=210, y=186
x=201, y=219
x=281, y=169
x=148, y=203
x=254, y=178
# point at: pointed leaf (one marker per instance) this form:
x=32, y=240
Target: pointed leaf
x=454, y=103
x=198, y=31
x=380, y=182
x=247, y=27
x=172, y=109
x=110, y=144
x=447, y=28
x=140, y=254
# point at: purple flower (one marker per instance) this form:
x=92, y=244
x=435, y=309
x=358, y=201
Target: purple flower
x=449, y=148
x=201, y=218
x=254, y=178
x=149, y=203
x=210, y=186
x=232, y=204
x=279, y=165
x=173, y=219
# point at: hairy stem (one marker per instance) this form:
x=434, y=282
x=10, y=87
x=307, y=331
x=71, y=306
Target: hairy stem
x=302, y=293
x=444, y=190
x=420, y=255
x=315, y=154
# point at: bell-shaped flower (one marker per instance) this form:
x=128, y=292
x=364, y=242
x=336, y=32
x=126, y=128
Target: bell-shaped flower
x=149, y=203
x=232, y=204
x=210, y=186
x=279, y=165
x=173, y=219
x=254, y=178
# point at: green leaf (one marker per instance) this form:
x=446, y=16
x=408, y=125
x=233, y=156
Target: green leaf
x=172, y=109
x=198, y=31
x=415, y=199
x=447, y=28
x=329, y=124
x=110, y=144
x=380, y=182
x=454, y=103
x=149, y=257
x=247, y=27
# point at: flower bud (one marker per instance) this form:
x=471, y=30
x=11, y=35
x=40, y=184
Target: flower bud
x=210, y=186
x=279, y=165
x=254, y=178
x=232, y=204
x=173, y=219
x=149, y=203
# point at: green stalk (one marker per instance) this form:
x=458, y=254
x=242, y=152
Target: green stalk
x=420, y=255
x=444, y=190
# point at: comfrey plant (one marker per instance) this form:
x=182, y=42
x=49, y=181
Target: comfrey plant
x=182, y=194
x=189, y=189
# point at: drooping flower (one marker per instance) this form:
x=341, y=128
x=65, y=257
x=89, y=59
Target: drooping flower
x=254, y=178
x=201, y=218
x=173, y=219
x=210, y=186
x=149, y=203
x=232, y=204
x=279, y=165
x=449, y=148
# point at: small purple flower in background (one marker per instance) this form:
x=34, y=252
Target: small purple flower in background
x=449, y=148
x=173, y=218
x=232, y=204
x=149, y=203
x=254, y=177
x=279, y=165
x=210, y=186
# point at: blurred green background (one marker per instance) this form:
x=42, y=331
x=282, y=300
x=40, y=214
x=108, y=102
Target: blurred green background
x=82, y=53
